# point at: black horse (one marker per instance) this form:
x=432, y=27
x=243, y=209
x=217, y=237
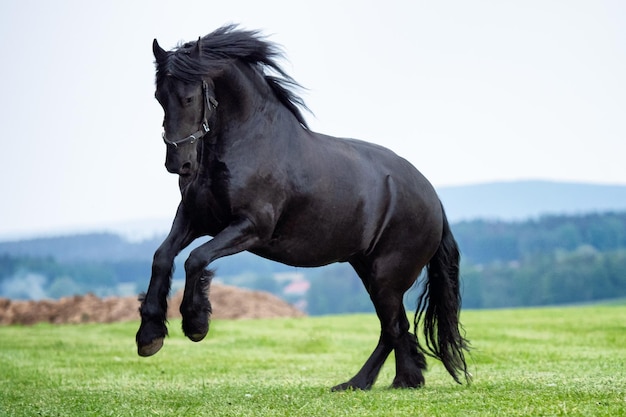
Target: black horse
x=253, y=176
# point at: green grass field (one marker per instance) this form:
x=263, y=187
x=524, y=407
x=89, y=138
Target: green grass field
x=535, y=362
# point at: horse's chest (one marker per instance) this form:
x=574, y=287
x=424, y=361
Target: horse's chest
x=205, y=208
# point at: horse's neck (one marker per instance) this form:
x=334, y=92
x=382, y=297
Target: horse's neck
x=241, y=92
x=246, y=102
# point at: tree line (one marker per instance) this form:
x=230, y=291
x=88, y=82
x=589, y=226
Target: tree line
x=542, y=261
x=483, y=241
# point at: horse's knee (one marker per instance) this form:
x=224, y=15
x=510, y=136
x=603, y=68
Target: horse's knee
x=161, y=262
x=194, y=265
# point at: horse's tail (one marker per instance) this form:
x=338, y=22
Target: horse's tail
x=439, y=307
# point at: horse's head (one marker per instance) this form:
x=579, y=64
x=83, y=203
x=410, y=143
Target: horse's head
x=188, y=105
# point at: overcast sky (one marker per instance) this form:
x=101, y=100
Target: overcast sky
x=468, y=91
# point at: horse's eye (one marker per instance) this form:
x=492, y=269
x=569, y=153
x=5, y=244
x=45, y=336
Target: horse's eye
x=188, y=100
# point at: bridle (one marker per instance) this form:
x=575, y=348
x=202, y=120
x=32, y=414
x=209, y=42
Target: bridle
x=208, y=103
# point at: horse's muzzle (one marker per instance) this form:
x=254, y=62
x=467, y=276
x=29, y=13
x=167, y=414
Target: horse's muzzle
x=183, y=170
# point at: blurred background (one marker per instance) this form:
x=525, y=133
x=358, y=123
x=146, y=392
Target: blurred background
x=513, y=110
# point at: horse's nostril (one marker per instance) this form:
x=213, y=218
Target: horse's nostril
x=185, y=169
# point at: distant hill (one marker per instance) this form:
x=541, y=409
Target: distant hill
x=521, y=200
x=93, y=247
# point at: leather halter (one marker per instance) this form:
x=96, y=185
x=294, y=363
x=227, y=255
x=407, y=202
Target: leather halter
x=208, y=103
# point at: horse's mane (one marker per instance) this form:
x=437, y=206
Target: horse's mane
x=226, y=44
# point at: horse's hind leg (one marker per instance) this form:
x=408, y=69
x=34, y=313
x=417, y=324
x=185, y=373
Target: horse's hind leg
x=386, y=296
x=394, y=335
x=366, y=377
x=410, y=363
x=386, y=290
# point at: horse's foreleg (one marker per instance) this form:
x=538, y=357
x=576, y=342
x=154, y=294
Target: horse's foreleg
x=153, y=307
x=195, y=307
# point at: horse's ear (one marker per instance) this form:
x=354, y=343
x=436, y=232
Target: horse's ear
x=159, y=53
x=196, y=52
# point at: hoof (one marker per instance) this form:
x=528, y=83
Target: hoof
x=349, y=386
x=196, y=337
x=415, y=382
x=197, y=328
x=341, y=387
x=151, y=348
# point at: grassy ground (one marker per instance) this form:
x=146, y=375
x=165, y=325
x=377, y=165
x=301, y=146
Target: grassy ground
x=539, y=362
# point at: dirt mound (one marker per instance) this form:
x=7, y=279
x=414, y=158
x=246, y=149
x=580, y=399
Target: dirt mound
x=227, y=302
